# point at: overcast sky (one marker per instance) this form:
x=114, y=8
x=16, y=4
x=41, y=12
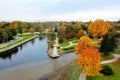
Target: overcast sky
x=59, y=10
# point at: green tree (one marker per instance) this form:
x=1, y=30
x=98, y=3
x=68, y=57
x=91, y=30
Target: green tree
x=108, y=44
x=13, y=31
x=56, y=30
x=5, y=36
x=20, y=30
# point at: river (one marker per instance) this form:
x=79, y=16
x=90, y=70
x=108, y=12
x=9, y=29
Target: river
x=31, y=61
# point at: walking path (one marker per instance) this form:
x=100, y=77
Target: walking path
x=70, y=44
x=15, y=43
x=10, y=42
x=116, y=57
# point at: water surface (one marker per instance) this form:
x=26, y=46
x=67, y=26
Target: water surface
x=31, y=61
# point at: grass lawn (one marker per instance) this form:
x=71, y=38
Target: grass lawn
x=65, y=43
x=115, y=76
x=67, y=50
x=25, y=37
x=72, y=39
x=103, y=57
x=74, y=72
x=118, y=31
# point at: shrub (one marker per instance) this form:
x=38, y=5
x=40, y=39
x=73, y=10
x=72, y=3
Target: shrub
x=107, y=70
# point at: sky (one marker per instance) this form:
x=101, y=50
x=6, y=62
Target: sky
x=59, y=10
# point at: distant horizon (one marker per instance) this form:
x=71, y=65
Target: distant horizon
x=59, y=10
x=58, y=20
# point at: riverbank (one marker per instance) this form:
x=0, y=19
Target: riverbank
x=65, y=73
x=12, y=46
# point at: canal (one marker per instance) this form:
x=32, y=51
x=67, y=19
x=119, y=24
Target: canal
x=31, y=61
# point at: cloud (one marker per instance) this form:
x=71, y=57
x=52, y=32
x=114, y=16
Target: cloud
x=35, y=10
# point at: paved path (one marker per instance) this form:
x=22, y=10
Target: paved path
x=19, y=43
x=70, y=44
x=10, y=42
x=116, y=57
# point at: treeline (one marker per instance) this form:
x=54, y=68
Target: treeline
x=66, y=30
x=10, y=29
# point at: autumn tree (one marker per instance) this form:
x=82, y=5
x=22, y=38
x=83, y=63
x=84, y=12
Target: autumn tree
x=77, y=27
x=41, y=29
x=80, y=34
x=89, y=60
x=62, y=30
x=83, y=43
x=31, y=30
x=14, y=24
x=98, y=28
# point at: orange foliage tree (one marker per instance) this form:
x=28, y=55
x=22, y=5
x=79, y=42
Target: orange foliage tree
x=89, y=59
x=83, y=43
x=14, y=24
x=98, y=28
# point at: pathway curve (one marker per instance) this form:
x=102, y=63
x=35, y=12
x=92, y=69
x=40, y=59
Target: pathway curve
x=116, y=57
x=70, y=44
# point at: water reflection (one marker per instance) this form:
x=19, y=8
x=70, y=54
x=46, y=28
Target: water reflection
x=40, y=38
x=9, y=55
x=21, y=46
x=32, y=51
x=32, y=42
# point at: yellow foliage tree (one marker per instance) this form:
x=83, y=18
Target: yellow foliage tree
x=83, y=43
x=89, y=59
x=62, y=30
x=80, y=33
x=98, y=28
x=41, y=29
x=31, y=30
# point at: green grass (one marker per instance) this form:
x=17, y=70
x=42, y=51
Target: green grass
x=25, y=37
x=74, y=72
x=72, y=39
x=115, y=76
x=65, y=43
x=103, y=57
x=67, y=50
x=118, y=31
